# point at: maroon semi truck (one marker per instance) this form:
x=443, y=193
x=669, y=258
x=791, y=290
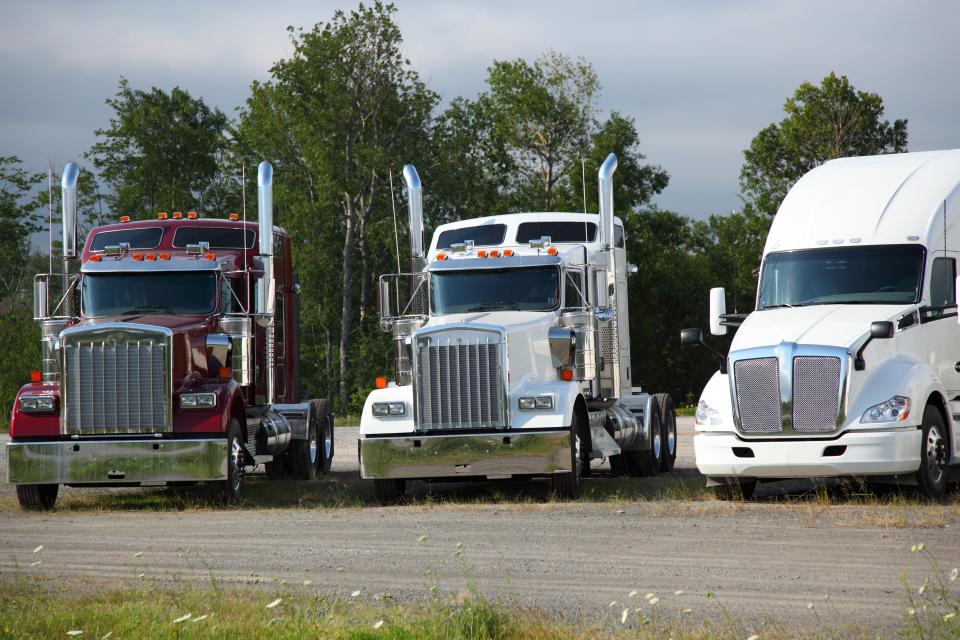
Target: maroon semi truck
x=171, y=358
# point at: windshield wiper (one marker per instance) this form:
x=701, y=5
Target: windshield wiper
x=782, y=305
x=148, y=309
x=491, y=306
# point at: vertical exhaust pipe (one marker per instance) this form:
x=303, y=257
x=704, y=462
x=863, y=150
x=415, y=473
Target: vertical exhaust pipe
x=415, y=200
x=605, y=179
x=68, y=198
x=266, y=292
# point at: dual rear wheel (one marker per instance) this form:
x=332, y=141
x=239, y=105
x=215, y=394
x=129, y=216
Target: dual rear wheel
x=660, y=453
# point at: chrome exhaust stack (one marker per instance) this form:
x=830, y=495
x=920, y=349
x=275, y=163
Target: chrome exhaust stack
x=415, y=200
x=68, y=185
x=605, y=178
x=266, y=287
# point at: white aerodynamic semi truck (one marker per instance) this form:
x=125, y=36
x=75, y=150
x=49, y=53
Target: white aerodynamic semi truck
x=850, y=364
x=512, y=352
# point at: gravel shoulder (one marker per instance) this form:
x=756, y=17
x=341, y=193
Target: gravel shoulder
x=765, y=559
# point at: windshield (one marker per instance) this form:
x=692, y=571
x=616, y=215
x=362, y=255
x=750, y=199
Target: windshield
x=117, y=294
x=888, y=274
x=530, y=289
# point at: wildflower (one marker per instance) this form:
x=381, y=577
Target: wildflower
x=809, y=605
x=74, y=633
x=678, y=593
x=653, y=601
x=954, y=574
x=274, y=603
x=423, y=538
x=624, y=615
x=648, y=596
x=947, y=617
x=203, y=617
x=632, y=594
x=339, y=569
x=688, y=610
x=612, y=604
x=138, y=554
x=106, y=635
x=307, y=583
x=38, y=550
x=754, y=637
x=459, y=545
x=183, y=618
x=378, y=624
x=922, y=588
x=911, y=611
x=37, y=563
x=140, y=575
x=355, y=593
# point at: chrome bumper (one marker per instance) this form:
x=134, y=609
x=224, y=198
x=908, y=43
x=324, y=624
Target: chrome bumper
x=116, y=461
x=493, y=455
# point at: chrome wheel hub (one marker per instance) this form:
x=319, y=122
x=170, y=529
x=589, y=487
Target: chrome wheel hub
x=236, y=465
x=935, y=454
x=657, y=444
x=672, y=437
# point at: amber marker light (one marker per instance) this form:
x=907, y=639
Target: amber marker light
x=209, y=256
x=192, y=215
x=137, y=257
x=224, y=373
x=381, y=382
x=164, y=256
x=552, y=251
x=150, y=257
x=481, y=254
x=124, y=218
x=35, y=376
x=162, y=215
x=177, y=215
x=96, y=258
x=441, y=256
x=234, y=216
x=507, y=253
x=494, y=254
x=566, y=374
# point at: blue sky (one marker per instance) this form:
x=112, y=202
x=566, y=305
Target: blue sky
x=700, y=78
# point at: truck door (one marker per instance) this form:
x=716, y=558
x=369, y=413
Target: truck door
x=939, y=318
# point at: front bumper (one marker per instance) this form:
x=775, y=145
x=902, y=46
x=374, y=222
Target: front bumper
x=116, y=461
x=485, y=455
x=881, y=452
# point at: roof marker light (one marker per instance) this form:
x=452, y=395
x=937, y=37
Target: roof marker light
x=507, y=253
x=138, y=257
x=494, y=254
x=151, y=257
x=35, y=376
x=441, y=256
x=552, y=251
x=481, y=254
x=381, y=382
x=209, y=256
x=96, y=258
x=192, y=215
x=164, y=256
x=234, y=216
x=124, y=218
x=177, y=215
x=162, y=215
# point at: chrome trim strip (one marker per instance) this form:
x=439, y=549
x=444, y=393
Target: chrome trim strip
x=458, y=455
x=116, y=461
x=785, y=352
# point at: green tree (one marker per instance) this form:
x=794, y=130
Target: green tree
x=161, y=151
x=19, y=218
x=822, y=122
x=335, y=116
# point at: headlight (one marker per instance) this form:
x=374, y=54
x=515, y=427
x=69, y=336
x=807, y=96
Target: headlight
x=538, y=403
x=707, y=415
x=198, y=400
x=896, y=409
x=389, y=408
x=38, y=404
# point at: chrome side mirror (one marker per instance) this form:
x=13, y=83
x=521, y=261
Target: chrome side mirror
x=718, y=308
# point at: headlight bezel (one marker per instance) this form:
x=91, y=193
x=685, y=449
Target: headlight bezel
x=706, y=416
x=204, y=400
x=536, y=403
x=391, y=409
x=34, y=403
x=894, y=409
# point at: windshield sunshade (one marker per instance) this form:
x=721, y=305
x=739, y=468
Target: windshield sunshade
x=530, y=289
x=558, y=231
x=887, y=274
x=218, y=237
x=118, y=294
x=485, y=235
x=148, y=238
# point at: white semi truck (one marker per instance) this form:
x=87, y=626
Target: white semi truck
x=512, y=351
x=850, y=365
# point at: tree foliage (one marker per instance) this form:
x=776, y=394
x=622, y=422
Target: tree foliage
x=822, y=122
x=161, y=151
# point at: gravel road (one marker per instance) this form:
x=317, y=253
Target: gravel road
x=766, y=559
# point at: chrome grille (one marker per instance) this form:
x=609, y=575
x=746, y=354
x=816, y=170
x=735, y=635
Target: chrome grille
x=459, y=381
x=116, y=383
x=758, y=395
x=816, y=393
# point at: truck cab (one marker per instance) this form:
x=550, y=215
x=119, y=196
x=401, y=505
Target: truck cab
x=849, y=365
x=169, y=359
x=512, y=356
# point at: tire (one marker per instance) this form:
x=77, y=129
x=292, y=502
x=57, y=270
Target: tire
x=734, y=489
x=37, y=497
x=230, y=491
x=389, y=491
x=303, y=456
x=933, y=473
x=647, y=463
x=277, y=468
x=668, y=425
x=618, y=464
x=325, y=433
x=566, y=486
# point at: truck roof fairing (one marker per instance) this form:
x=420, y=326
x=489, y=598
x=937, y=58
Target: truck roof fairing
x=128, y=265
x=511, y=262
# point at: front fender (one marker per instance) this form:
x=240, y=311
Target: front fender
x=717, y=396
x=32, y=425
x=379, y=425
x=900, y=375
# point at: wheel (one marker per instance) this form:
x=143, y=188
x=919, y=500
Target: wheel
x=37, y=497
x=303, y=455
x=231, y=489
x=932, y=474
x=734, y=489
x=647, y=463
x=566, y=486
x=389, y=490
x=325, y=433
x=668, y=426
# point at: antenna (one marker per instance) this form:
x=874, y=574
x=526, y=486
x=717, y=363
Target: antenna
x=243, y=195
x=733, y=254
x=583, y=183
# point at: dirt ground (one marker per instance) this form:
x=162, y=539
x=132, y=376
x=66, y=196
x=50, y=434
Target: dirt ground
x=796, y=555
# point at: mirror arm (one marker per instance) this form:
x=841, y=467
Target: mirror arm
x=859, y=364
x=719, y=356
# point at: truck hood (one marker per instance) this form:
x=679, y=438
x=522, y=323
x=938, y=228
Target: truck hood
x=173, y=322
x=828, y=325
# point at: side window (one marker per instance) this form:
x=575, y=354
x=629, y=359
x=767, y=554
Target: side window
x=573, y=294
x=618, y=237
x=943, y=275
